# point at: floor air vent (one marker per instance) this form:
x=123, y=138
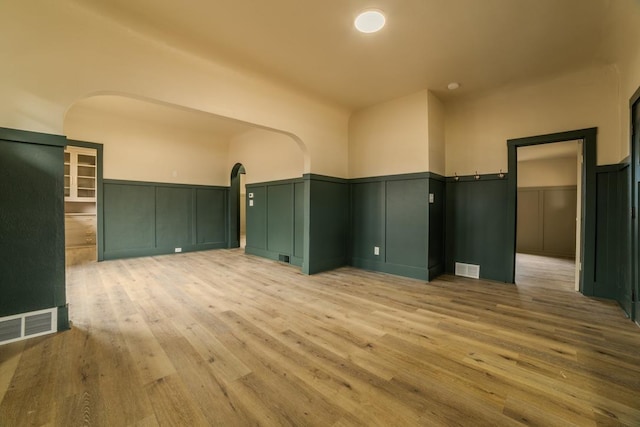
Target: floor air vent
x=468, y=270
x=28, y=325
x=283, y=258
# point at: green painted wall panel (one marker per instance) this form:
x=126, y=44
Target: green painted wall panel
x=298, y=221
x=613, y=249
x=475, y=226
x=280, y=218
x=173, y=217
x=142, y=218
x=210, y=216
x=368, y=220
x=407, y=205
x=31, y=225
x=129, y=217
x=275, y=224
x=436, y=228
x=327, y=224
x=256, y=217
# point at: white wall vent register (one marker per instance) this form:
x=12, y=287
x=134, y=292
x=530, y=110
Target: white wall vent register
x=468, y=270
x=28, y=325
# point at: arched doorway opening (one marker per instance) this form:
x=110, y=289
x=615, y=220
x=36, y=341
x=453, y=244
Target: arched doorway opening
x=237, y=212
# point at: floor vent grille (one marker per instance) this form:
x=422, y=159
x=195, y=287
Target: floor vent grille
x=468, y=270
x=28, y=325
x=283, y=258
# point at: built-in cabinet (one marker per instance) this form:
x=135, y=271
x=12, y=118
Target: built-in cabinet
x=80, y=191
x=80, y=167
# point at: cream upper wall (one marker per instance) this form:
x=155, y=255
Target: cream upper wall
x=266, y=156
x=436, y=135
x=621, y=41
x=66, y=53
x=390, y=138
x=554, y=172
x=477, y=129
x=139, y=150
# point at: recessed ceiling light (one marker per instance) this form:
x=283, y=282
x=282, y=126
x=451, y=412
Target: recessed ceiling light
x=370, y=21
x=453, y=86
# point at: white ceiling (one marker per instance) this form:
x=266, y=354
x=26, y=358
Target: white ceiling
x=313, y=46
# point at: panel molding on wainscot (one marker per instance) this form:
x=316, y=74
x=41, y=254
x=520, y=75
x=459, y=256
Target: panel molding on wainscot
x=396, y=226
x=476, y=214
x=275, y=220
x=149, y=218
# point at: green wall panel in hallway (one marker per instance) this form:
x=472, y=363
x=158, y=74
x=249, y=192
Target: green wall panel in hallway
x=32, y=267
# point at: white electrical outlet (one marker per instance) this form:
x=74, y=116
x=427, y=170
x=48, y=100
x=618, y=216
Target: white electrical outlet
x=250, y=202
x=376, y=250
x=177, y=250
x=432, y=198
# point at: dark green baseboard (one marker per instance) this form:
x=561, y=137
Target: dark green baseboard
x=134, y=253
x=297, y=261
x=326, y=264
x=398, y=270
x=63, y=318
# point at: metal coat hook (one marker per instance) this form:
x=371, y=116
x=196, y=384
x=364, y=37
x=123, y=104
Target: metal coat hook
x=476, y=176
x=456, y=178
x=500, y=175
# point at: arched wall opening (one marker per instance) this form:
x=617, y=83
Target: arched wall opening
x=166, y=171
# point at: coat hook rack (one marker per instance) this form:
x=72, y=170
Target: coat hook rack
x=476, y=176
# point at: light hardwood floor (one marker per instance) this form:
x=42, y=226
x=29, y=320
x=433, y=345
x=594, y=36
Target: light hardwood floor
x=222, y=338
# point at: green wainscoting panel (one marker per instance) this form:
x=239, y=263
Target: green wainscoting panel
x=436, y=261
x=32, y=266
x=210, y=213
x=407, y=223
x=392, y=213
x=367, y=222
x=613, y=260
x=280, y=219
x=326, y=223
x=129, y=219
x=146, y=218
x=256, y=219
x=298, y=224
x=173, y=217
x=476, y=214
x=275, y=222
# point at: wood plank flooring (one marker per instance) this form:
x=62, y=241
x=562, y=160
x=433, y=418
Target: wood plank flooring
x=222, y=338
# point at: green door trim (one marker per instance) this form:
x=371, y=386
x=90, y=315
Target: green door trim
x=589, y=138
x=233, y=228
x=634, y=105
